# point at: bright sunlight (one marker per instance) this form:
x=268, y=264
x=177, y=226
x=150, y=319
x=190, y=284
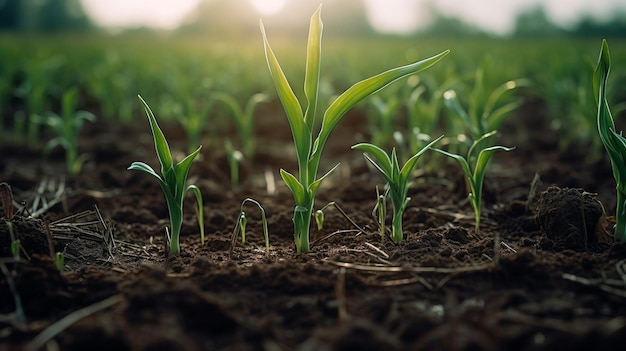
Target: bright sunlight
x=268, y=7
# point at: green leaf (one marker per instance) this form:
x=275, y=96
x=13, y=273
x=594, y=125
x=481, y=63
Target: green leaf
x=200, y=212
x=483, y=159
x=366, y=87
x=313, y=187
x=410, y=164
x=160, y=143
x=451, y=101
x=143, y=167
x=462, y=161
x=294, y=185
x=182, y=170
x=378, y=157
x=301, y=133
x=312, y=75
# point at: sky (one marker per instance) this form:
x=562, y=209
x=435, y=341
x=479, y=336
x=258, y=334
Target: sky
x=387, y=16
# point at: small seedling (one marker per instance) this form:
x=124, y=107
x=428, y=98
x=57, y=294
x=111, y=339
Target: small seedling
x=614, y=143
x=475, y=168
x=397, y=179
x=380, y=212
x=485, y=113
x=67, y=127
x=234, y=158
x=242, y=222
x=172, y=181
x=59, y=260
x=243, y=118
x=308, y=147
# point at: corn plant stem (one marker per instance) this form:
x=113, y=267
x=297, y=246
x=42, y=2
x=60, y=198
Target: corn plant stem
x=302, y=226
x=176, y=219
x=396, y=225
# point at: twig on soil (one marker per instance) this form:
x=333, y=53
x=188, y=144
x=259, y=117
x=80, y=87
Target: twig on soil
x=407, y=281
x=444, y=270
x=48, y=194
x=377, y=250
x=602, y=284
x=19, y=310
x=53, y=330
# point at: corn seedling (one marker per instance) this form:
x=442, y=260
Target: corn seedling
x=172, y=181
x=308, y=148
x=67, y=127
x=234, y=158
x=195, y=121
x=484, y=112
x=475, y=168
x=614, y=143
x=380, y=212
x=242, y=223
x=397, y=179
x=243, y=118
x=381, y=117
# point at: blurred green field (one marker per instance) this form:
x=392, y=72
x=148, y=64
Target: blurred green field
x=179, y=76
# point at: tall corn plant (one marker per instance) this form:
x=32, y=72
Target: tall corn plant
x=614, y=142
x=309, y=148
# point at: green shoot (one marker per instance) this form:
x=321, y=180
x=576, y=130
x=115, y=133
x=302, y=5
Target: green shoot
x=380, y=212
x=484, y=113
x=194, y=122
x=66, y=127
x=59, y=260
x=172, y=181
x=475, y=168
x=397, y=180
x=234, y=158
x=308, y=147
x=243, y=118
x=319, y=219
x=614, y=143
x=242, y=223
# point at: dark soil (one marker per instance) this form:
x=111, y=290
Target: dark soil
x=553, y=280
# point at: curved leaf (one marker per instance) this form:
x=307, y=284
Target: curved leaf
x=182, y=170
x=312, y=75
x=366, y=87
x=200, y=212
x=410, y=164
x=313, y=187
x=160, y=143
x=294, y=185
x=378, y=157
x=301, y=133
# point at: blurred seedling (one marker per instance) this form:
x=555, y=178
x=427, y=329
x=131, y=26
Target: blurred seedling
x=234, y=158
x=172, y=180
x=66, y=127
x=243, y=118
x=485, y=110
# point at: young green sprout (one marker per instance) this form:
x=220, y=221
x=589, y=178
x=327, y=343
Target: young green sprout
x=380, y=211
x=484, y=111
x=397, y=179
x=66, y=127
x=243, y=118
x=172, y=181
x=308, y=147
x=614, y=143
x=242, y=223
x=234, y=158
x=475, y=168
